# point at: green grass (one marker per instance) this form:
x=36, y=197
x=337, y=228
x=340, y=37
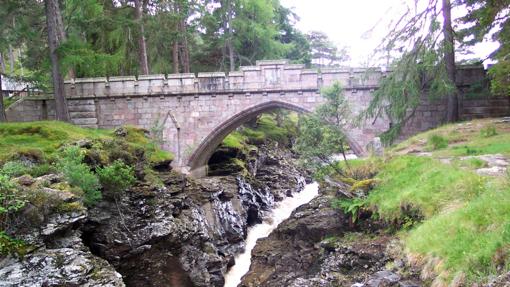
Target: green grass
x=491, y=145
x=470, y=238
x=469, y=138
x=436, y=142
x=269, y=127
x=234, y=140
x=41, y=137
x=422, y=183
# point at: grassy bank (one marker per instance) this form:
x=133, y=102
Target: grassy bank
x=43, y=139
x=452, y=220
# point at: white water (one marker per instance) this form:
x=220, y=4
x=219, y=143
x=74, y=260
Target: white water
x=281, y=212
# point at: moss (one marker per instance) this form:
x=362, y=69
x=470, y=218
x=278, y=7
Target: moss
x=364, y=185
x=234, y=140
x=348, y=180
x=62, y=186
x=66, y=207
x=160, y=156
x=40, y=139
x=136, y=135
x=151, y=177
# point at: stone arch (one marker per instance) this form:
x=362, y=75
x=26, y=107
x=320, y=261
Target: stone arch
x=200, y=156
x=208, y=145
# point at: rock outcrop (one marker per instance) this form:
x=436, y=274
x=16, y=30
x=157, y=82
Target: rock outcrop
x=171, y=231
x=52, y=252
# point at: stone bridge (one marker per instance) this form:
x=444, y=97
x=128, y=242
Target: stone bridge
x=194, y=113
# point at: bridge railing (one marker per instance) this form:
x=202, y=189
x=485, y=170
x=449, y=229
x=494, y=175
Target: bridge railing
x=266, y=75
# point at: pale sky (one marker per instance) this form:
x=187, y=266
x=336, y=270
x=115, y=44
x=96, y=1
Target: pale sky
x=347, y=21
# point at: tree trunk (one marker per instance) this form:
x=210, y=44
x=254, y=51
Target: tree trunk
x=3, y=118
x=175, y=48
x=185, y=47
x=229, y=37
x=183, y=53
x=11, y=60
x=449, y=58
x=175, y=56
x=142, y=46
x=2, y=64
x=54, y=23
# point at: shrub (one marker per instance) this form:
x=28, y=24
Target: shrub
x=42, y=169
x=488, y=131
x=10, y=200
x=79, y=174
x=116, y=178
x=9, y=245
x=15, y=168
x=436, y=141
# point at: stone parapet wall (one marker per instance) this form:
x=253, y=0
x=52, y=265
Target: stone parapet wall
x=266, y=75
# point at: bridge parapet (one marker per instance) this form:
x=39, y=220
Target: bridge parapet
x=265, y=76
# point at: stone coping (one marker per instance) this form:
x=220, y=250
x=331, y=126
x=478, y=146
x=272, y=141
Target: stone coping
x=121, y=79
x=151, y=77
x=211, y=75
x=271, y=62
x=181, y=76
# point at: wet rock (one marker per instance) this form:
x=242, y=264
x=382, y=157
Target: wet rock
x=55, y=255
x=172, y=231
x=61, y=222
x=291, y=251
